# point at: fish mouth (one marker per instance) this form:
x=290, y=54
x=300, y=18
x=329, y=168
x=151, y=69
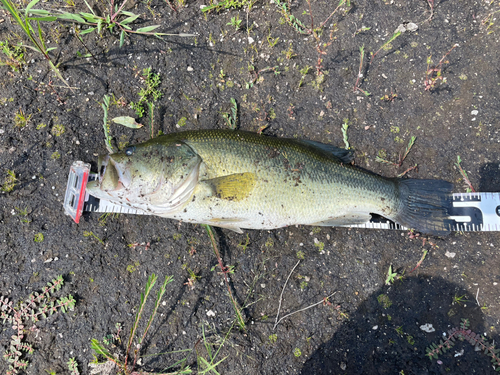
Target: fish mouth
x=111, y=174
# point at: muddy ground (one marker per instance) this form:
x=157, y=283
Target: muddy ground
x=367, y=327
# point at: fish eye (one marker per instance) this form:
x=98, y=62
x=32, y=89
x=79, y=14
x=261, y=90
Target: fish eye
x=129, y=151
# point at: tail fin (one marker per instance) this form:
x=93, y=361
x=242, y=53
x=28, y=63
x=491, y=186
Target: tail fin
x=424, y=205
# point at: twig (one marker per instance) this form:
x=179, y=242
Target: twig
x=431, y=5
x=305, y=308
x=477, y=294
x=281, y=296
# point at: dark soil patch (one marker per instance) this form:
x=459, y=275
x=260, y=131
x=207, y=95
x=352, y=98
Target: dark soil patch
x=199, y=76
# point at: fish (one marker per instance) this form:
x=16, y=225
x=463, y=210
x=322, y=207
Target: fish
x=238, y=180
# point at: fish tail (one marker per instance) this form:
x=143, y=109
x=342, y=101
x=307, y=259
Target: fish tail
x=424, y=205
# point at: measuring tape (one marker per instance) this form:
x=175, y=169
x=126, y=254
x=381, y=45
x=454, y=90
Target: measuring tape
x=469, y=212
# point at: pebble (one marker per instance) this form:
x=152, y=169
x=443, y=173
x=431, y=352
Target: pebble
x=427, y=327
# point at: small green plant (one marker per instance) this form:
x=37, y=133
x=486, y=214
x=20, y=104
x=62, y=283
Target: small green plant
x=231, y=118
x=300, y=255
x=91, y=234
x=129, y=363
x=345, y=125
x=20, y=119
x=303, y=73
x=360, y=71
x=289, y=54
x=58, y=130
x=35, y=307
x=387, y=45
x=296, y=352
x=235, y=22
x=132, y=267
x=55, y=155
x=243, y=245
x=14, y=54
x=273, y=337
x=459, y=299
x=148, y=93
x=303, y=285
x=384, y=300
x=105, y=108
x=116, y=19
x=38, y=237
x=229, y=4
x=479, y=342
x=315, y=31
x=204, y=366
x=36, y=37
x=391, y=276
x=401, y=159
x=272, y=41
x=9, y=182
x=127, y=121
x=73, y=366
x=23, y=213
x=320, y=245
x=434, y=74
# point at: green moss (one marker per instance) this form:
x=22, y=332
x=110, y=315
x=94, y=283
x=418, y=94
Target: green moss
x=9, y=182
x=132, y=267
x=55, y=155
x=320, y=245
x=182, y=122
x=38, y=237
x=58, y=130
x=384, y=300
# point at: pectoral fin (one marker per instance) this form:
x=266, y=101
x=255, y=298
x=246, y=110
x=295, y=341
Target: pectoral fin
x=234, y=187
x=347, y=219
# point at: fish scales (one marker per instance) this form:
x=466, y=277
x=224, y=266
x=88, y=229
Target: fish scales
x=240, y=180
x=295, y=184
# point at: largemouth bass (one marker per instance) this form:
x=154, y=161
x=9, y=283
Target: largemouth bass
x=241, y=180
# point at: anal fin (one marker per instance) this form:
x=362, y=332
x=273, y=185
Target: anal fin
x=350, y=218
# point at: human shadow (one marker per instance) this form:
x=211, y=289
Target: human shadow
x=384, y=335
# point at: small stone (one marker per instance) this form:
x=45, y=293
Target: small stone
x=450, y=255
x=427, y=327
x=210, y=313
x=474, y=112
x=189, y=69
x=250, y=40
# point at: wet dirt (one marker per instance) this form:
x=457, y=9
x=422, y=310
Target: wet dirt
x=263, y=65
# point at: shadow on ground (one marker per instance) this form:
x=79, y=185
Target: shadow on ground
x=384, y=334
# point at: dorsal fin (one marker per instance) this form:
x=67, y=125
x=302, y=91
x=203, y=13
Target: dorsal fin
x=345, y=156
